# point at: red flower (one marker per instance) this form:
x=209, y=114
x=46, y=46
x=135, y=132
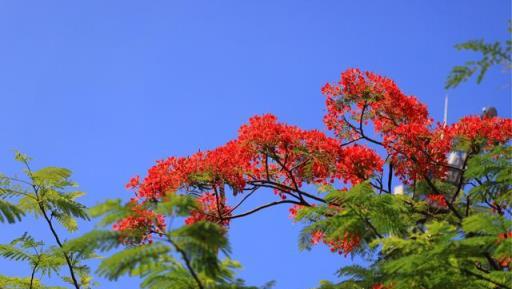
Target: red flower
x=138, y=227
x=489, y=130
x=503, y=236
x=383, y=103
x=285, y=158
x=133, y=183
x=345, y=245
x=418, y=151
x=294, y=210
x=438, y=200
x=505, y=261
x=316, y=237
x=265, y=151
x=212, y=209
x=359, y=163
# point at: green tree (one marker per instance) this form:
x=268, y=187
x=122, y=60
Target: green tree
x=181, y=258
x=50, y=196
x=176, y=258
x=412, y=244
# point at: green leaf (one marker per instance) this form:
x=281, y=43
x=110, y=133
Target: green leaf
x=111, y=211
x=9, y=212
x=491, y=54
x=131, y=259
x=67, y=222
x=12, y=253
x=52, y=177
x=7, y=282
x=64, y=203
x=202, y=242
x=100, y=240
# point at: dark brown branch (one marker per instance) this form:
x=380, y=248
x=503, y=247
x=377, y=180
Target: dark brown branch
x=266, y=206
x=290, y=173
x=285, y=188
x=390, y=176
x=270, y=185
x=367, y=221
x=57, y=239
x=52, y=229
x=437, y=191
x=300, y=164
x=32, y=275
x=219, y=212
x=187, y=262
x=243, y=200
x=468, y=204
x=266, y=167
x=491, y=261
x=361, y=133
x=379, y=187
x=352, y=141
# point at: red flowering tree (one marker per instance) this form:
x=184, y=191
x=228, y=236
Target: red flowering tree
x=447, y=226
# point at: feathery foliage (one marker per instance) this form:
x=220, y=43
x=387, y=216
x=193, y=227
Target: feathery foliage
x=495, y=53
x=50, y=196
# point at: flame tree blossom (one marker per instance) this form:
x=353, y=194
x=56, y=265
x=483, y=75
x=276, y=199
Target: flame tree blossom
x=367, y=114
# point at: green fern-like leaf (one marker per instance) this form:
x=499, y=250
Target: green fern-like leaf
x=129, y=260
x=202, y=242
x=7, y=282
x=13, y=253
x=9, y=212
x=96, y=240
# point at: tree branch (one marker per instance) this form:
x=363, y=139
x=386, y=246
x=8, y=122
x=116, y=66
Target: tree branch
x=52, y=229
x=485, y=279
x=187, y=262
x=57, y=239
x=266, y=206
x=32, y=275
x=436, y=190
x=390, y=176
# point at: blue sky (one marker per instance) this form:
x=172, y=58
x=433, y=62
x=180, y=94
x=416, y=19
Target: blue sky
x=105, y=88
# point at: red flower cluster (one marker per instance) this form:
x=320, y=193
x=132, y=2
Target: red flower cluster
x=490, y=130
x=503, y=236
x=295, y=156
x=417, y=148
x=505, y=262
x=224, y=165
x=138, y=227
x=417, y=151
x=358, y=164
x=316, y=237
x=380, y=98
x=283, y=157
x=294, y=210
x=345, y=245
x=380, y=286
x=212, y=209
x=165, y=176
x=438, y=200
x=133, y=183
x=401, y=120
x=264, y=152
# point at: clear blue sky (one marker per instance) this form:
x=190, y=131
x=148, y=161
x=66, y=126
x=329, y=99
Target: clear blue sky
x=107, y=87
